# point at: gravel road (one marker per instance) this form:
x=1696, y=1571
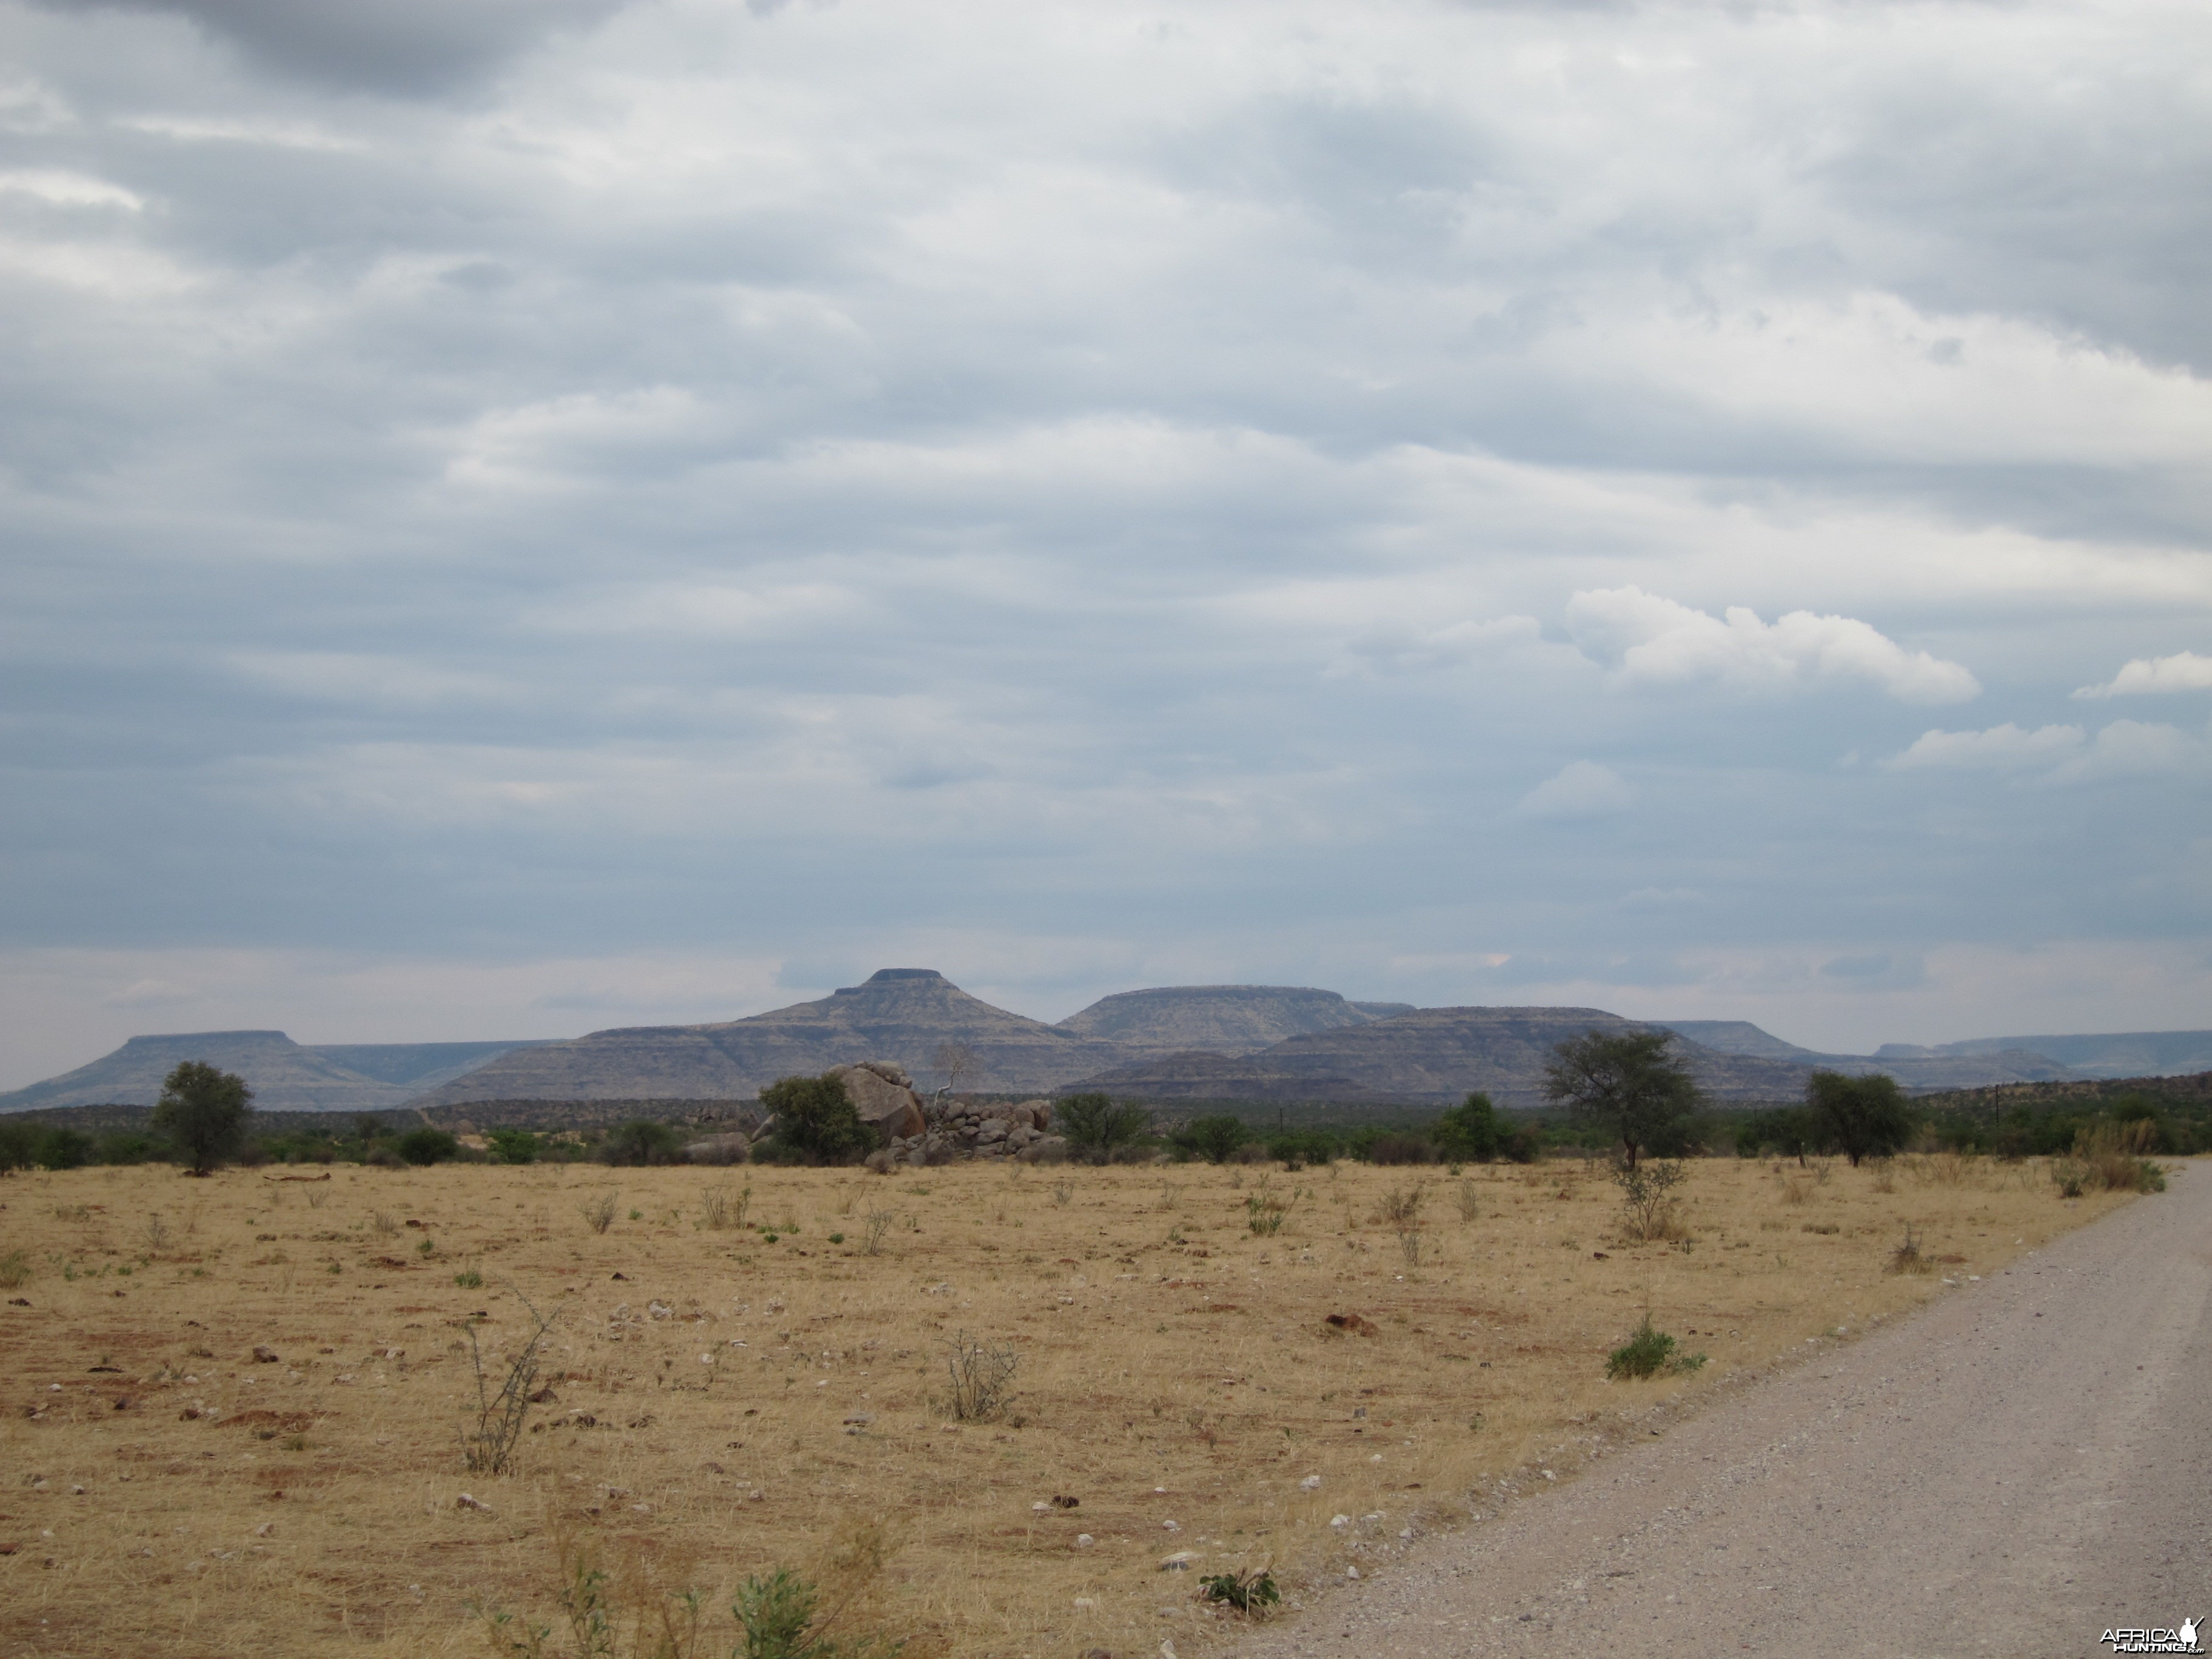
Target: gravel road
x=2010, y=1471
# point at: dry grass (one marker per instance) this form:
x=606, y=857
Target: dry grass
x=722, y=1406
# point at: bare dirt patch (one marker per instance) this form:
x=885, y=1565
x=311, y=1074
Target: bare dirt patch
x=720, y=1404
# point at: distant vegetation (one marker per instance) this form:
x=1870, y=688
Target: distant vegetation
x=2166, y=1116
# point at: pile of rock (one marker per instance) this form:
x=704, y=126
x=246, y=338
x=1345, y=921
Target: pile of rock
x=974, y=1129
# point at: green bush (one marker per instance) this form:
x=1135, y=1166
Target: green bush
x=1471, y=1132
x=642, y=1141
x=1648, y=1353
x=814, y=1119
x=1299, y=1147
x=777, y=1614
x=428, y=1145
x=18, y=1144
x=1096, y=1128
x=64, y=1149
x=512, y=1145
x=1214, y=1138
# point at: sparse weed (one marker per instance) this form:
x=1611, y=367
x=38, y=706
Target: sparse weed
x=1796, y=1189
x=502, y=1412
x=385, y=1225
x=1906, y=1258
x=722, y=1210
x=1265, y=1213
x=469, y=1280
x=981, y=1375
x=1062, y=1191
x=15, y=1270
x=1468, y=1206
x=875, y=1224
x=599, y=1210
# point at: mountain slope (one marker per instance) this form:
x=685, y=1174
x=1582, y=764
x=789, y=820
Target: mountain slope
x=1221, y=1019
x=903, y=1014
x=283, y=1075
x=1433, y=1056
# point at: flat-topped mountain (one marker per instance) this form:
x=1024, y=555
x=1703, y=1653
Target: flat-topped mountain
x=1221, y=1019
x=903, y=1014
x=1430, y=1056
x=1976, y=1065
x=284, y=1075
x=2112, y=1054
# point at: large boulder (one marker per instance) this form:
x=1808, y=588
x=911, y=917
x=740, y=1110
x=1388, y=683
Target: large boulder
x=882, y=1094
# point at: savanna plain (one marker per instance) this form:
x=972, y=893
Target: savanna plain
x=978, y=1405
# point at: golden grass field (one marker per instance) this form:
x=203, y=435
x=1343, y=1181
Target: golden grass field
x=725, y=1404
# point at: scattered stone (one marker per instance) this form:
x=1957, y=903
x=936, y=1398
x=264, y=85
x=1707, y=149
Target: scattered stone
x=264, y=1354
x=465, y=1501
x=1352, y=1324
x=1179, y=1562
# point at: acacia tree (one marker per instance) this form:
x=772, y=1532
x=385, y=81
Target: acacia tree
x=204, y=1111
x=1626, y=1082
x=1864, y=1116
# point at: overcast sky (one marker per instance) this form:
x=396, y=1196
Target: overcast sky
x=521, y=516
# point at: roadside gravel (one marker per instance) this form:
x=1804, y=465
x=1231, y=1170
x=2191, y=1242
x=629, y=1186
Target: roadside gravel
x=2011, y=1470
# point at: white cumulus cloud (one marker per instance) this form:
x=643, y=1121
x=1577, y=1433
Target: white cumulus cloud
x=2184, y=671
x=2062, y=754
x=1647, y=638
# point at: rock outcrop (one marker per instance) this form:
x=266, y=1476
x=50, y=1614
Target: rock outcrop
x=882, y=1095
x=976, y=1129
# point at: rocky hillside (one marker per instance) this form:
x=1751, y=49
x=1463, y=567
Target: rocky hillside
x=1220, y=1019
x=1431, y=1056
x=284, y=1075
x=901, y=1014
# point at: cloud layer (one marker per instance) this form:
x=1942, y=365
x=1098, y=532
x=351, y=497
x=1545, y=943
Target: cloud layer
x=1094, y=498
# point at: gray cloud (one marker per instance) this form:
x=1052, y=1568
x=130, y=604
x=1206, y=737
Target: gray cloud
x=403, y=48
x=1103, y=505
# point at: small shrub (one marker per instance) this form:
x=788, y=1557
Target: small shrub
x=512, y=1145
x=469, y=1280
x=1648, y=1353
x=1265, y=1213
x=981, y=1375
x=1401, y=1207
x=1249, y=1592
x=1467, y=1202
x=599, y=1210
x=1649, y=1212
x=1062, y=1191
x=385, y=1225
x=876, y=1222
x=15, y=1270
x=383, y=1157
